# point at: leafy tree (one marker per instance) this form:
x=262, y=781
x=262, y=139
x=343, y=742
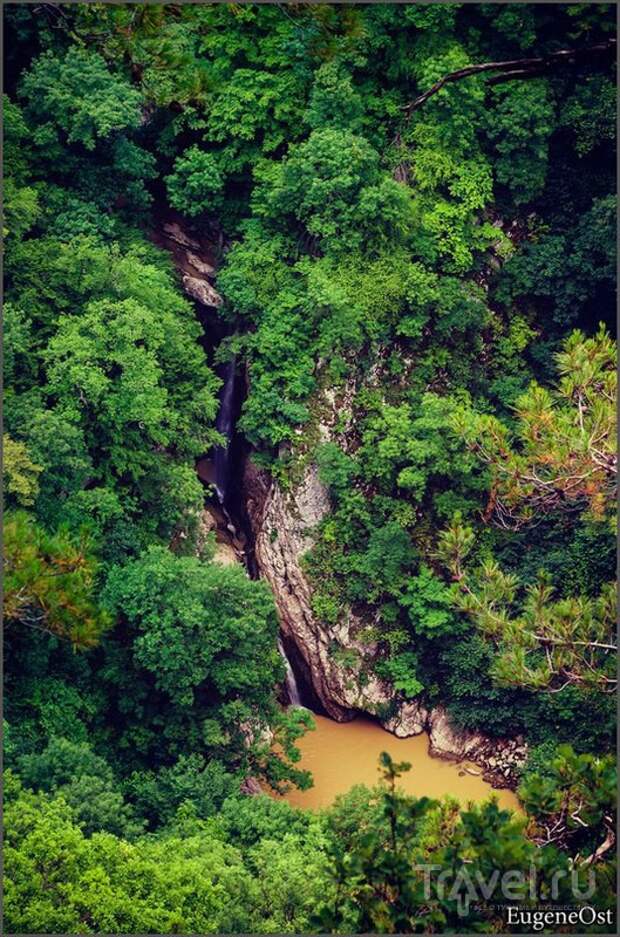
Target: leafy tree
x=588, y=112
x=78, y=95
x=129, y=399
x=476, y=702
x=84, y=781
x=249, y=820
x=255, y=113
x=108, y=370
x=61, y=880
x=376, y=887
x=196, y=183
x=21, y=209
x=294, y=880
x=332, y=186
x=334, y=101
x=21, y=473
x=21, y=203
x=205, y=636
x=192, y=779
x=522, y=123
x=190, y=628
x=569, y=269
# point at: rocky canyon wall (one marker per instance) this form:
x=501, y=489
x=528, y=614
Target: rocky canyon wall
x=283, y=523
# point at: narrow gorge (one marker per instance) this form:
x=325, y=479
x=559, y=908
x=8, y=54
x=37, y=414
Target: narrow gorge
x=269, y=529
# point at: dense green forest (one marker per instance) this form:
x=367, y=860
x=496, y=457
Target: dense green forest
x=438, y=259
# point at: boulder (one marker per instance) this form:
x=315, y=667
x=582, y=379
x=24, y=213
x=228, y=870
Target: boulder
x=200, y=265
x=176, y=233
x=250, y=787
x=448, y=742
x=201, y=290
x=411, y=719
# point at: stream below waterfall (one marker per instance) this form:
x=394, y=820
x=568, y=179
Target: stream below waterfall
x=342, y=754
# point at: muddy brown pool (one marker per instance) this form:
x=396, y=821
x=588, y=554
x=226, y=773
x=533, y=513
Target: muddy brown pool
x=341, y=754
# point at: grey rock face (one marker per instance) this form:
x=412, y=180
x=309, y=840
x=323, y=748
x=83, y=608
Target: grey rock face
x=501, y=759
x=446, y=741
x=283, y=525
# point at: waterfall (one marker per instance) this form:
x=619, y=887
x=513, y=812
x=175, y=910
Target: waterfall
x=225, y=424
x=291, y=683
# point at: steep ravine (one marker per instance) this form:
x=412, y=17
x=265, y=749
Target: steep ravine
x=195, y=257
x=269, y=529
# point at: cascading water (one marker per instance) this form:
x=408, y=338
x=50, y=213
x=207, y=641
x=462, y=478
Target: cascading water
x=222, y=474
x=291, y=683
x=225, y=424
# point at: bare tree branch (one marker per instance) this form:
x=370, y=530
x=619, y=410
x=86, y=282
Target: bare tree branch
x=513, y=69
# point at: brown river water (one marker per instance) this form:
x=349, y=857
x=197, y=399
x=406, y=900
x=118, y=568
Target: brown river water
x=341, y=754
